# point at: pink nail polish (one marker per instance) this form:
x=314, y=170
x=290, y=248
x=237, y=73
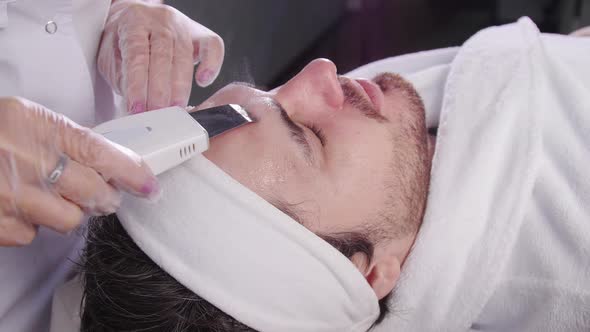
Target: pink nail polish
x=137, y=107
x=152, y=190
x=150, y=186
x=205, y=77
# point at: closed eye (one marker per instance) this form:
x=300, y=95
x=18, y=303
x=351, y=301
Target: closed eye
x=297, y=133
x=318, y=132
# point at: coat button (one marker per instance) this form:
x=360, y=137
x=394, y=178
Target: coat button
x=51, y=27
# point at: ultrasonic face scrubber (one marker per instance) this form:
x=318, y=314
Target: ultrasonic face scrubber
x=169, y=136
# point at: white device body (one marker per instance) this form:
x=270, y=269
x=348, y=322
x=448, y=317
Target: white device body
x=164, y=138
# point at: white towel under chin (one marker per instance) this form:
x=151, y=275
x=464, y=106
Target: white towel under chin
x=505, y=239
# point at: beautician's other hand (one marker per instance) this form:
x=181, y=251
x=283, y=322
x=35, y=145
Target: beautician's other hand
x=52, y=171
x=582, y=32
x=148, y=52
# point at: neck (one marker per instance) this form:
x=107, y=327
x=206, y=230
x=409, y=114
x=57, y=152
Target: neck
x=405, y=245
x=431, y=145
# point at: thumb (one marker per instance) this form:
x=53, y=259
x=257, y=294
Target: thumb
x=209, y=51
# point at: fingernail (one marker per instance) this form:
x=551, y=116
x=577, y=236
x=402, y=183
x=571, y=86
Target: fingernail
x=68, y=233
x=137, y=107
x=151, y=190
x=104, y=204
x=114, y=203
x=205, y=77
x=94, y=213
x=22, y=238
x=156, y=196
x=179, y=104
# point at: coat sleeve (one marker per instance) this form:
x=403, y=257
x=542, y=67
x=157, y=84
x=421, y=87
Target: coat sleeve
x=29, y=276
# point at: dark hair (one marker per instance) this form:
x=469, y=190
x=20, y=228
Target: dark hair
x=124, y=290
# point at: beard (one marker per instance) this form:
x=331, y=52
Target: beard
x=404, y=212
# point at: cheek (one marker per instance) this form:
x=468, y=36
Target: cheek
x=252, y=157
x=360, y=147
x=267, y=173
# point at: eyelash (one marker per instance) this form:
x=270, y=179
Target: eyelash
x=318, y=132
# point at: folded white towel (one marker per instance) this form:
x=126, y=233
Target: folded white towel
x=505, y=243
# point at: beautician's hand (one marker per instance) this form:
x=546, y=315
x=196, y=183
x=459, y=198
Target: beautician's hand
x=148, y=52
x=52, y=171
x=583, y=32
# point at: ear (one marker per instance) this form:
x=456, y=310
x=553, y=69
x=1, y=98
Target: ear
x=382, y=274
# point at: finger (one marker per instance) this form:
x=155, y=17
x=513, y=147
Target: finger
x=209, y=51
x=134, y=46
x=116, y=164
x=109, y=62
x=87, y=189
x=182, y=72
x=15, y=232
x=583, y=32
x=160, y=69
x=46, y=208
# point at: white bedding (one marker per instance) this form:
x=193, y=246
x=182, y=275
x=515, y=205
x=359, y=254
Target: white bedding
x=505, y=243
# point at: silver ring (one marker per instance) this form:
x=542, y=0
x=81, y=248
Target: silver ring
x=58, y=170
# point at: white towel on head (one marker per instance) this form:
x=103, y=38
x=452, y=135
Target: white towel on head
x=505, y=242
x=243, y=255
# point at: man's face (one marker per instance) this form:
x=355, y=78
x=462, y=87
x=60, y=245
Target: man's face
x=339, y=155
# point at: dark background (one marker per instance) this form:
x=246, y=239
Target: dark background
x=267, y=41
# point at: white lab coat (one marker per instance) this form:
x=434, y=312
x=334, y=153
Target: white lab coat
x=48, y=55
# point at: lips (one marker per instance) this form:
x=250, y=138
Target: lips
x=373, y=92
x=363, y=90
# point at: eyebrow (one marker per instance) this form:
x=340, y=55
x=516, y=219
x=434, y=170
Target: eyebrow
x=250, y=85
x=296, y=131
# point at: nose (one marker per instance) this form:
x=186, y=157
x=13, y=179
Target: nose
x=314, y=89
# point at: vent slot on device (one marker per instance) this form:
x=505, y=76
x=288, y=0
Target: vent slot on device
x=187, y=151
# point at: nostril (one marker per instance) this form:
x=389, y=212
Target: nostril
x=334, y=98
x=323, y=79
x=333, y=93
